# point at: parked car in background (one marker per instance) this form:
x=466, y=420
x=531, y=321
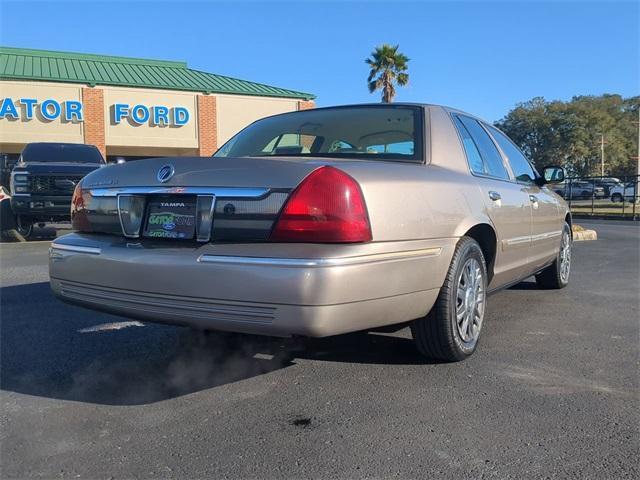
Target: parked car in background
x=607, y=183
x=578, y=190
x=43, y=180
x=626, y=192
x=321, y=222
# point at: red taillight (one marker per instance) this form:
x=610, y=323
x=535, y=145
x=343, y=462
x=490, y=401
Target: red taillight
x=327, y=207
x=79, y=220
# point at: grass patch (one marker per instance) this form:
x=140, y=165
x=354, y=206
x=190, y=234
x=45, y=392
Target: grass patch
x=614, y=212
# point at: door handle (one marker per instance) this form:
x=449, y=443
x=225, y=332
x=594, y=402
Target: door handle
x=533, y=199
x=495, y=196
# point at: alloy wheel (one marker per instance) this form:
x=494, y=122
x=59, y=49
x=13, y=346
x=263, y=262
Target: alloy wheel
x=470, y=301
x=565, y=257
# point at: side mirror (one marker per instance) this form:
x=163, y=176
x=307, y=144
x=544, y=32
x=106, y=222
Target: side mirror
x=553, y=174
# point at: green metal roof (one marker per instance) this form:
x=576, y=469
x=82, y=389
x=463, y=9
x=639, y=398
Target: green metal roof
x=52, y=66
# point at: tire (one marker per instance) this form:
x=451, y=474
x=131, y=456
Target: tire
x=616, y=197
x=557, y=274
x=24, y=226
x=439, y=334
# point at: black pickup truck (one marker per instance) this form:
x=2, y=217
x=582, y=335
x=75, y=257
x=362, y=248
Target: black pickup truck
x=43, y=180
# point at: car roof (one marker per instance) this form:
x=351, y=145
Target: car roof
x=380, y=104
x=388, y=105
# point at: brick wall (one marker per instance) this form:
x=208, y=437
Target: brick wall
x=93, y=107
x=207, y=125
x=306, y=104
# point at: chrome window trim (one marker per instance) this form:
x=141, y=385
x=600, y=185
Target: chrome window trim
x=491, y=177
x=216, y=191
x=426, y=135
x=76, y=248
x=319, y=262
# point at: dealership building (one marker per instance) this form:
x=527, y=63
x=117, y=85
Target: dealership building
x=127, y=107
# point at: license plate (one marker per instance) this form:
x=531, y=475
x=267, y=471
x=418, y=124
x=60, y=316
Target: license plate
x=171, y=217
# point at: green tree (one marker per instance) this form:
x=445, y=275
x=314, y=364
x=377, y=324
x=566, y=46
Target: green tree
x=569, y=133
x=388, y=67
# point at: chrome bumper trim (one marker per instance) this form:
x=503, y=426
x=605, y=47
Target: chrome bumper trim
x=320, y=262
x=516, y=241
x=216, y=191
x=509, y=242
x=76, y=248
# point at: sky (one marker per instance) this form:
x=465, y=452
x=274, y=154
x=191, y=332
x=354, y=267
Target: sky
x=482, y=57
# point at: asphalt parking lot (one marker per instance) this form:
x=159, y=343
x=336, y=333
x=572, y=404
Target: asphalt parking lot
x=552, y=391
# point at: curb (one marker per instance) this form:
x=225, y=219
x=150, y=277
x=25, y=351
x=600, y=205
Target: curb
x=585, y=235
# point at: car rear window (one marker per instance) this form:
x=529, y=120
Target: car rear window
x=58, y=152
x=385, y=132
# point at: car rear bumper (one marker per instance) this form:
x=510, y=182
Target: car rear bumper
x=216, y=287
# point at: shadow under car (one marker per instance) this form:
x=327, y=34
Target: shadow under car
x=51, y=349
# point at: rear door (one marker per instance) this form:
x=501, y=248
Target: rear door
x=507, y=202
x=546, y=225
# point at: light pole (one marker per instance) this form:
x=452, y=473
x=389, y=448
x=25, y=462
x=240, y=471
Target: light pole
x=638, y=157
x=602, y=154
x=636, y=184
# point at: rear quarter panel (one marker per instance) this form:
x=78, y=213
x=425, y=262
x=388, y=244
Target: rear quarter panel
x=436, y=199
x=435, y=202
x=416, y=206
x=416, y=202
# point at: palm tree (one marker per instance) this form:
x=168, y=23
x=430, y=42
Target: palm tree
x=388, y=67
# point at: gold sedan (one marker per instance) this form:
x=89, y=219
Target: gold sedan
x=318, y=223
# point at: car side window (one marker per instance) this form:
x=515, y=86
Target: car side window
x=521, y=167
x=473, y=154
x=490, y=155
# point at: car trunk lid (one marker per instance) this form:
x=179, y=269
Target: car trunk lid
x=280, y=173
x=249, y=192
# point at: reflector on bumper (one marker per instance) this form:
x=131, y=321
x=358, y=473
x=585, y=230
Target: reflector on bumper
x=204, y=217
x=131, y=212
